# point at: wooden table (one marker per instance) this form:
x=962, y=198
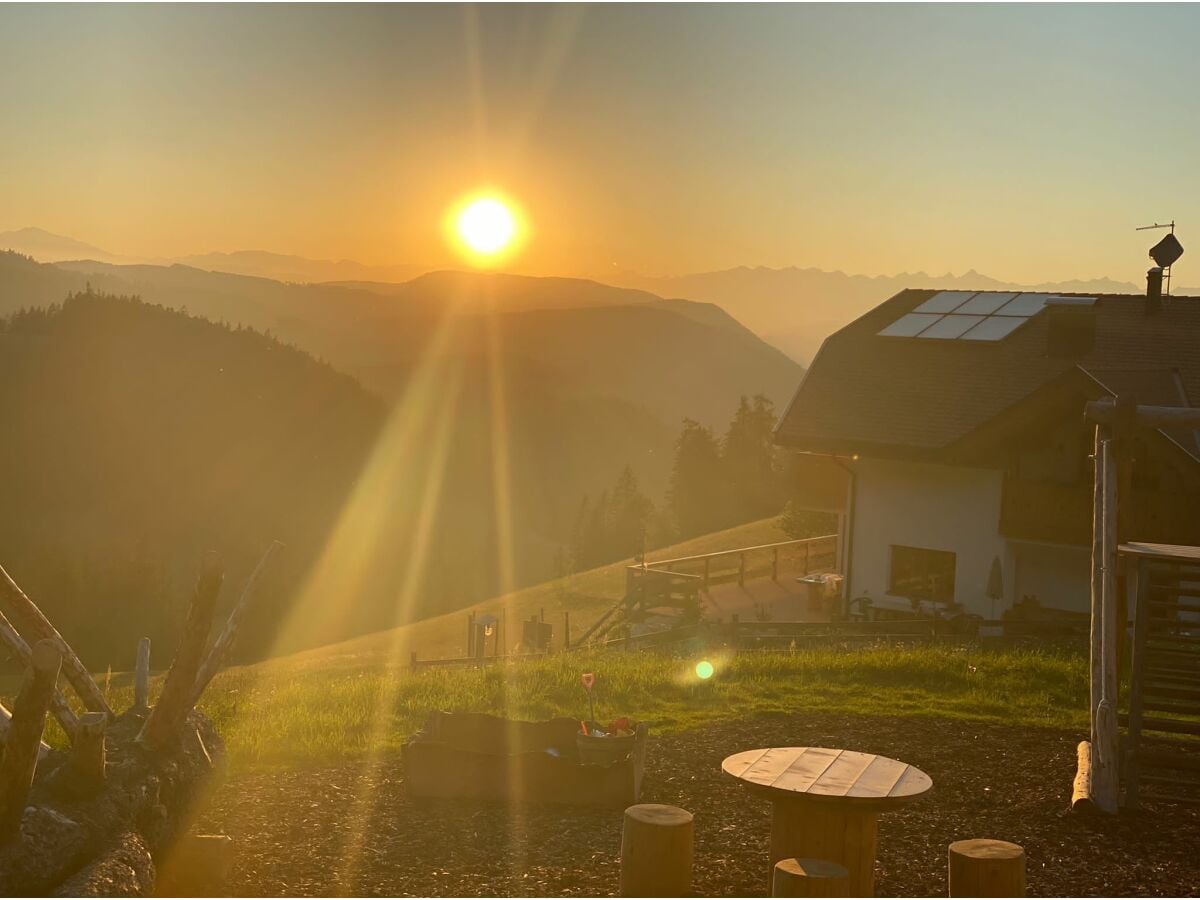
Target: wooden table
x=826, y=803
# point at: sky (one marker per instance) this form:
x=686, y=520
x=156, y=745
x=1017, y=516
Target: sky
x=1024, y=141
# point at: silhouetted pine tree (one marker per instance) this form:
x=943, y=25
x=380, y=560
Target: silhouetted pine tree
x=752, y=460
x=699, y=493
x=629, y=515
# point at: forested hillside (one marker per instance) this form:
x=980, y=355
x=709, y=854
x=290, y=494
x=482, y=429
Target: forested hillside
x=137, y=437
x=493, y=406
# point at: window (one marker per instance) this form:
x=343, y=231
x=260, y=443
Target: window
x=920, y=574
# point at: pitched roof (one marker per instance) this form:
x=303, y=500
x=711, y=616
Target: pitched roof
x=870, y=393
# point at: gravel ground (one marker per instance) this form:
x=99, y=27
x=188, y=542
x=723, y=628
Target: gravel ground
x=352, y=830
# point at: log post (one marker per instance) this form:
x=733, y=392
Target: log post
x=228, y=636
x=1081, y=789
x=656, y=851
x=38, y=626
x=20, y=650
x=986, y=868
x=87, y=763
x=141, y=676
x=566, y=629
x=173, y=705
x=19, y=760
x=810, y=878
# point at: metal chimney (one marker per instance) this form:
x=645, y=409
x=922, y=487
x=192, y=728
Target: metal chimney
x=1154, y=285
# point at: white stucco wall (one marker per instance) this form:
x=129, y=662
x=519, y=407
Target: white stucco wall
x=933, y=507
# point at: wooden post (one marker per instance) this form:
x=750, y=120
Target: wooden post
x=5, y=722
x=808, y=877
x=656, y=851
x=21, y=749
x=228, y=636
x=985, y=868
x=141, y=676
x=470, y=635
x=1103, y=763
x=566, y=629
x=36, y=625
x=775, y=565
x=1141, y=615
x=87, y=764
x=59, y=707
x=1105, y=746
x=175, y=701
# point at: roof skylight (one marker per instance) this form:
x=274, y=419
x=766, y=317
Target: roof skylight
x=974, y=316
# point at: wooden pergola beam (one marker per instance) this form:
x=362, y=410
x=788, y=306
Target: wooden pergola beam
x=1107, y=412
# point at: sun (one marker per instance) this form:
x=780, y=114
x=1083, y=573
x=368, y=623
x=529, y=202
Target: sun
x=487, y=227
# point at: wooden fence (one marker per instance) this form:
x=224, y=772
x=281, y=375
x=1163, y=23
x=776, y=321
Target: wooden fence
x=797, y=557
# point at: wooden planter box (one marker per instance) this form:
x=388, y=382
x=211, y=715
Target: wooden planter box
x=478, y=756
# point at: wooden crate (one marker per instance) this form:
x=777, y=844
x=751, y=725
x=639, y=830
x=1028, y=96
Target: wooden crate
x=479, y=756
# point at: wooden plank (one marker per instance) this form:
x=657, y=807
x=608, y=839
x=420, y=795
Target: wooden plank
x=1174, y=691
x=792, y=769
x=879, y=779
x=1162, y=552
x=842, y=775
x=911, y=783
x=1169, y=726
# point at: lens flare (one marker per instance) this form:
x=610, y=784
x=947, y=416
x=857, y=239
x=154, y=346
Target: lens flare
x=704, y=670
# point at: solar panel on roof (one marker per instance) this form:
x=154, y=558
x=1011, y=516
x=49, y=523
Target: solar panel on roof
x=909, y=325
x=984, y=303
x=950, y=326
x=994, y=328
x=944, y=302
x=1024, y=305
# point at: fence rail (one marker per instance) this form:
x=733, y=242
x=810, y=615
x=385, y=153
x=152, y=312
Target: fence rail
x=803, y=555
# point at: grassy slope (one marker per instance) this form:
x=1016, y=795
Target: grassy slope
x=586, y=595
x=355, y=698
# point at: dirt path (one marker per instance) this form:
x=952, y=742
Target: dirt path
x=352, y=830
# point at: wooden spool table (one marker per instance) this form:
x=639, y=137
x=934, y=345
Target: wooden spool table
x=826, y=803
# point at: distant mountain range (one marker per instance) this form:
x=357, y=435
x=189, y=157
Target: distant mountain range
x=795, y=309
x=46, y=246
x=792, y=308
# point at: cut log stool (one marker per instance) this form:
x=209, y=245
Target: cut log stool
x=986, y=868
x=810, y=878
x=656, y=851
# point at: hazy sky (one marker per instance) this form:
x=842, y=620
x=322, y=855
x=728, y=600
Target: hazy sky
x=1024, y=141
